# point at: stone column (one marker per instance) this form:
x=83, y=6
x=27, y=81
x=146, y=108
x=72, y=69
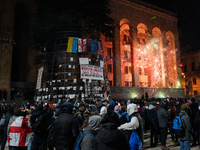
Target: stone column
x=135, y=70
x=117, y=57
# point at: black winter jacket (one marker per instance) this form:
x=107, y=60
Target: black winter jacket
x=197, y=121
x=66, y=128
x=109, y=139
x=152, y=116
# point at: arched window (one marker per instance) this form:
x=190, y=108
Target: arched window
x=140, y=71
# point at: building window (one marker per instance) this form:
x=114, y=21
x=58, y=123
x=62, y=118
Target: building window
x=194, y=81
x=126, y=83
x=125, y=55
x=126, y=69
x=140, y=71
x=109, y=68
x=139, y=57
x=144, y=41
x=195, y=93
x=110, y=83
x=145, y=57
x=139, y=41
x=129, y=55
x=125, y=40
x=193, y=66
x=145, y=71
x=185, y=68
x=129, y=70
x=109, y=50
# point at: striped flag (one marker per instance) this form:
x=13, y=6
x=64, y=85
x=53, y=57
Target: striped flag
x=72, y=45
x=19, y=132
x=81, y=44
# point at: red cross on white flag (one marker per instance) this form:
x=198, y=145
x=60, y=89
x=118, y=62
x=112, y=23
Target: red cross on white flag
x=81, y=44
x=19, y=132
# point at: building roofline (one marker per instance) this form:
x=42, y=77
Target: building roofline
x=190, y=53
x=138, y=4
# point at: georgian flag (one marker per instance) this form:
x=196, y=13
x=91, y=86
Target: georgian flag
x=19, y=132
x=81, y=44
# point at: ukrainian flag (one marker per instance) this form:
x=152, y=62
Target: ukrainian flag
x=72, y=45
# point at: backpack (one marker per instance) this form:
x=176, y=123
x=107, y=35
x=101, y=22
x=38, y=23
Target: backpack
x=80, y=140
x=38, y=124
x=134, y=142
x=178, y=127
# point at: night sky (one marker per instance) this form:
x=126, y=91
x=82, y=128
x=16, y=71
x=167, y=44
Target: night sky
x=188, y=13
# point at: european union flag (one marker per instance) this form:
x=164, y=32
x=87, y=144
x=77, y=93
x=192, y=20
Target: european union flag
x=93, y=45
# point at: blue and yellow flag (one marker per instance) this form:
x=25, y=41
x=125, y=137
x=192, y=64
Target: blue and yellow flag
x=72, y=45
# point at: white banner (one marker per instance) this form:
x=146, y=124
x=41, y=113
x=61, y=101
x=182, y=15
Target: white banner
x=91, y=72
x=39, y=78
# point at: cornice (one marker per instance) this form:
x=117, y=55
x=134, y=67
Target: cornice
x=166, y=14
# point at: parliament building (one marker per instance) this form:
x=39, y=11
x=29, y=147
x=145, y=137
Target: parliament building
x=142, y=57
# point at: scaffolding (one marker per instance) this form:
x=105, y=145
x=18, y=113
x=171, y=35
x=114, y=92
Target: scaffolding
x=61, y=78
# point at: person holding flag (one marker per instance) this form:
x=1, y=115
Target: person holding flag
x=20, y=133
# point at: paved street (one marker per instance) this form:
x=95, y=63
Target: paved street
x=172, y=147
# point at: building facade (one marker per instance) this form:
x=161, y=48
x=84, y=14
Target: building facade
x=144, y=52
x=143, y=55
x=190, y=65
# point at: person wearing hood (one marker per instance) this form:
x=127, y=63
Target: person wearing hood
x=163, y=122
x=66, y=128
x=112, y=103
x=99, y=105
x=8, y=115
x=153, y=120
x=23, y=125
x=178, y=109
x=117, y=108
x=42, y=114
x=103, y=111
x=94, y=124
x=135, y=123
x=109, y=138
x=186, y=140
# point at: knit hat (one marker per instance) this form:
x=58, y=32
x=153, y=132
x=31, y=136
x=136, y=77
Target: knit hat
x=117, y=108
x=95, y=122
x=184, y=107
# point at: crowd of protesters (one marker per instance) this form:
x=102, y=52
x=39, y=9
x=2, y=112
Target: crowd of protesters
x=43, y=125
